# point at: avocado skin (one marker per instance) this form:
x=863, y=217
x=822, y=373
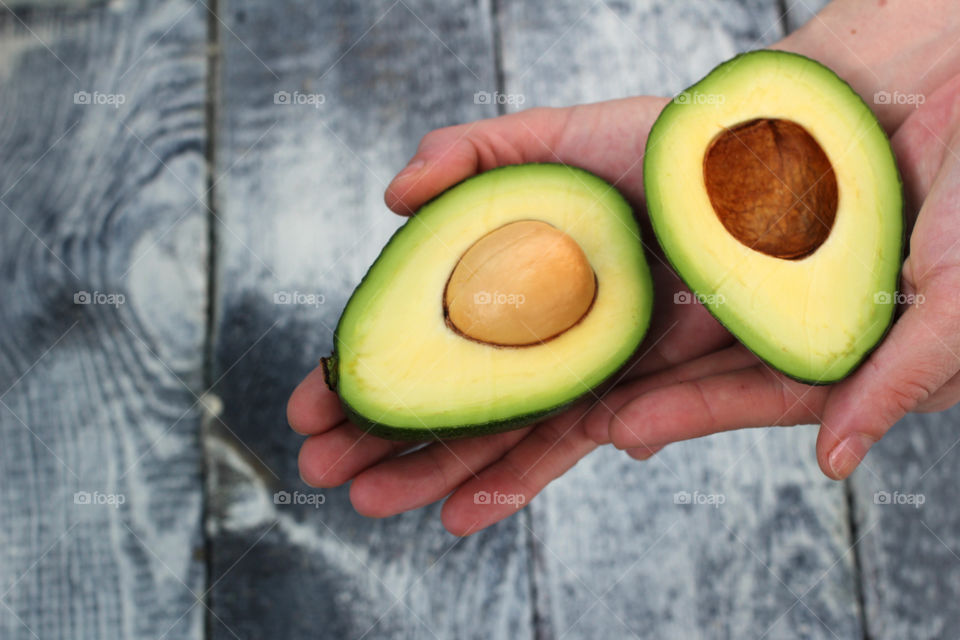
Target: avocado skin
x=330, y=365
x=661, y=243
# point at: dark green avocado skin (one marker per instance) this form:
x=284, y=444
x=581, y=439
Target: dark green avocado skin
x=679, y=273
x=393, y=432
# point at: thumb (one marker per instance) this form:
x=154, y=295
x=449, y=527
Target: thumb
x=915, y=360
x=447, y=156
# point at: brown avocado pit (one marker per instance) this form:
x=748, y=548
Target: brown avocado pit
x=772, y=187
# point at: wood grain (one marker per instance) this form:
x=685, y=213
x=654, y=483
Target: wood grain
x=101, y=192
x=301, y=210
x=615, y=556
x=908, y=522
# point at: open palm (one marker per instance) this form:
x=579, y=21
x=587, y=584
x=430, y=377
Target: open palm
x=607, y=139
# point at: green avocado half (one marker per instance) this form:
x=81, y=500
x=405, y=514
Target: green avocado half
x=773, y=192
x=520, y=248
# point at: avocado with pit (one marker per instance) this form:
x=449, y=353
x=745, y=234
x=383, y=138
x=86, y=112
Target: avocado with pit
x=774, y=193
x=500, y=302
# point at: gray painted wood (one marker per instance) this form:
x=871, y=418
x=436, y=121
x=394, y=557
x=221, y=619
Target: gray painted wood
x=598, y=51
x=100, y=497
x=300, y=208
x=616, y=557
x=908, y=518
x=33, y=5
x=797, y=13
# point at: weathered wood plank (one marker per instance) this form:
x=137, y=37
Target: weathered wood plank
x=906, y=513
x=797, y=13
x=616, y=557
x=605, y=50
x=102, y=192
x=301, y=210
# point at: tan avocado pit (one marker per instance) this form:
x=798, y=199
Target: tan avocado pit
x=772, y=187
x=520, y=285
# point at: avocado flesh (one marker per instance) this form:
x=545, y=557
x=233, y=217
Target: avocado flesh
x=814, y=318
x=403, y=372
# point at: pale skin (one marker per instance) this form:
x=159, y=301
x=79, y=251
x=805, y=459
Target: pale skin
x=691, y=378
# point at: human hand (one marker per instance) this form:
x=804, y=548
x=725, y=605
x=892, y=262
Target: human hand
x=607, y=139
x=914, y=369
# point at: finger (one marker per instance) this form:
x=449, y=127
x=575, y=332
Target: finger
x=751, y=397
x=597, y=423
x=313, y=408
x=642, y=453
x=447, y=156
x=606, y=138
x=918, y=144
x=943, y=398
x=543, y=455
x=920, y=355
x=427, y=475
x=336, y=456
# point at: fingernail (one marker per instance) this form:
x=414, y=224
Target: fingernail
x=847, y=455
x=413, y=167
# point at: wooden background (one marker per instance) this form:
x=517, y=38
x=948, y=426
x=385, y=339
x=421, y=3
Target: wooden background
x=202, y=197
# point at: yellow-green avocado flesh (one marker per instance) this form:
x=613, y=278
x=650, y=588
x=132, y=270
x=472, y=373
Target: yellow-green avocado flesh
x=816, y=317
x=403, y=373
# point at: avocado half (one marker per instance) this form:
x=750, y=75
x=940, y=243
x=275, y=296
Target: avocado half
x=774, y=193
x=458, y=327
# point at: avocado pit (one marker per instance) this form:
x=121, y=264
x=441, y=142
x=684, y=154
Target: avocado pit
x=772, y=187
x=521, y=284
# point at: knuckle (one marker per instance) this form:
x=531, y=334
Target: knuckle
x=520, y=477
x=907, y=394
x=435, y=137
x=622, y=434
x=554, y=439
x=699, y=396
